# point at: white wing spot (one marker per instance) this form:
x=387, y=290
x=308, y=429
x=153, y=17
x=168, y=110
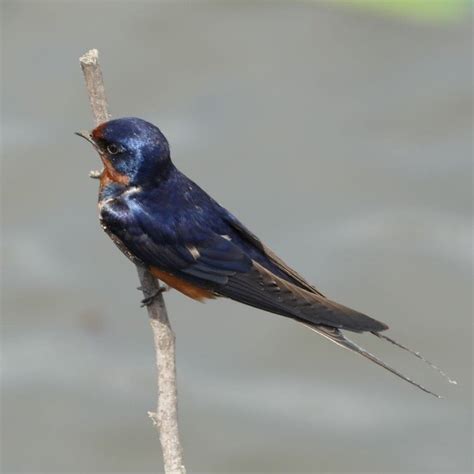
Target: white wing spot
x=105, y=202
x=193, y=251
x=132, y=190
x=226, y=237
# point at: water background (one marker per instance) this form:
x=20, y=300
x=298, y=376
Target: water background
x=341, y=138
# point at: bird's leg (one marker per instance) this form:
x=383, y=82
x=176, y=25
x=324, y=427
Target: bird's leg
x=149, y=299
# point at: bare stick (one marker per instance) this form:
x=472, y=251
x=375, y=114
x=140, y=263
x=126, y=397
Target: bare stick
x=166, y=417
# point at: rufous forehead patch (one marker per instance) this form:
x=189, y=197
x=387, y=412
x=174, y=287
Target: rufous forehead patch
x=97, y=133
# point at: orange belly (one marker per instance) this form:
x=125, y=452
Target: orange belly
x=184, y=287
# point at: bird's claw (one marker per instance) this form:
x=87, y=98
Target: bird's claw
x=150, y=299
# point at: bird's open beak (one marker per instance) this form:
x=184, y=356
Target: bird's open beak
x=85, y=134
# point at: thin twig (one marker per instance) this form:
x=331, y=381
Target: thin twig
x=166, y=417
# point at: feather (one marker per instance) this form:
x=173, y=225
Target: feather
x=416, y=354
x=262, y=289
x=334, y=335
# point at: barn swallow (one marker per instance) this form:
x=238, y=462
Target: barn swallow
x=162, y=220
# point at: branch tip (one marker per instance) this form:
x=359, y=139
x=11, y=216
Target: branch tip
x=90, y=57
x=153, y=417
x=95, y=174
x=166, y=416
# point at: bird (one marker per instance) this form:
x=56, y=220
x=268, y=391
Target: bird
x=162, y=220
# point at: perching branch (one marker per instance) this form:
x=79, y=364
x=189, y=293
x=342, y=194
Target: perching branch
x=166, y=417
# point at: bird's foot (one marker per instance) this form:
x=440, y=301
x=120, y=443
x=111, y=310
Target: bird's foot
x=150, y=299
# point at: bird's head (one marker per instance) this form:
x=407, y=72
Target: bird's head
x=133, y=151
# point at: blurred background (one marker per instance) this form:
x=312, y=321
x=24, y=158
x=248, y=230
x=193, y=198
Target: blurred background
x=341, y=130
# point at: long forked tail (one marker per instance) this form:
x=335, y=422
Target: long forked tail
x=336, y=336
x=416, y=354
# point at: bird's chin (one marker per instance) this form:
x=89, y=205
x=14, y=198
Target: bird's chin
x=111, y=173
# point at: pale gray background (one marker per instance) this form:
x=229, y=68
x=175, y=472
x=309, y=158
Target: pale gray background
x=343, y=139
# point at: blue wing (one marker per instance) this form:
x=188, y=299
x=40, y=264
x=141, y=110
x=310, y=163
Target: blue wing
x=266, y=257
x=199, y=254
x=191, y=249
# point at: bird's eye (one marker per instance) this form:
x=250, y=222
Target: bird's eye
x=113, y=149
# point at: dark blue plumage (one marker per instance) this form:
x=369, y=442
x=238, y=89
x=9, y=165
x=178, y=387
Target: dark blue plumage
x=161, y=219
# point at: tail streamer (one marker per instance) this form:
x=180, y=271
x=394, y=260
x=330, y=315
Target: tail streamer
x=418, y=355
x=334, y=335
